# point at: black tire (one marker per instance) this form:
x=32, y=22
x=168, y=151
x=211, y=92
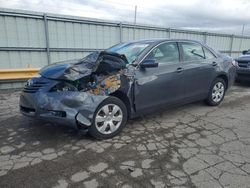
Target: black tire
x=210, y=101
x=93, y=131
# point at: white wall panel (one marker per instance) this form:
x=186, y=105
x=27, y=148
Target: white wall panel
x=23, y=59
x=62, y=56
x=23, y=37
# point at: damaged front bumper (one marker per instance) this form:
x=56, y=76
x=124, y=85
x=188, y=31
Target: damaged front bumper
x=75, y=109
x=70, y=92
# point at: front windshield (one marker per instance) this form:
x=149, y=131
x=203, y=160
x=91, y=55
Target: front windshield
x=130, y=50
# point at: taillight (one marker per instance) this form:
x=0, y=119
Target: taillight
x=234, y=63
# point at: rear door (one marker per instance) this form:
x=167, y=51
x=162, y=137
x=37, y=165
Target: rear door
x=198, y=70
x=161, y=85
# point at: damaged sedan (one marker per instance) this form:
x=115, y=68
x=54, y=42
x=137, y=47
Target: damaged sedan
x=99, y=93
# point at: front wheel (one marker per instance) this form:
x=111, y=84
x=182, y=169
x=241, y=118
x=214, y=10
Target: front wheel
x=109, y=119
x=217, y=92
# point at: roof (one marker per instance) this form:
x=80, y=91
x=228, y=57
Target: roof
x=159, y=40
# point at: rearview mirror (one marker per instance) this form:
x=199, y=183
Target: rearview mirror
x=244, y=52
x=149, y=63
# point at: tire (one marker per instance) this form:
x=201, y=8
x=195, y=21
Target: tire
x=216, y=92
x=112, y=114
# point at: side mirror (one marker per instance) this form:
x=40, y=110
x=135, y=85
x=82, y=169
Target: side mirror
x=244, y=52
x=149, y=63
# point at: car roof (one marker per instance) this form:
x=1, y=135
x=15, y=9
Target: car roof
x=160, y=40
x=154, y=42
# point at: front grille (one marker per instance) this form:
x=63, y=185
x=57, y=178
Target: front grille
x=34, y=87
x=244, y=64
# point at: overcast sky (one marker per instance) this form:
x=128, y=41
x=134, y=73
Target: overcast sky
x=227, y=16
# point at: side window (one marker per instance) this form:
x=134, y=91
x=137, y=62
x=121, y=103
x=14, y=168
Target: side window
x=208, y=54
x=192, y=51
x=165, y=53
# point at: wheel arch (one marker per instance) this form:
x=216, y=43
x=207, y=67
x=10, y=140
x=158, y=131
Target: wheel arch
x=124, y=98
x=225, y=78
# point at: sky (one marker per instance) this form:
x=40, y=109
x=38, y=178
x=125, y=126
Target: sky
x=224, y=16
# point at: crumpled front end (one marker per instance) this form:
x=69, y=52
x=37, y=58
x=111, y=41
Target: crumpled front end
x=70, y=94
x=69, y=107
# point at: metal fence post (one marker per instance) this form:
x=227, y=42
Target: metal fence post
x=134, y=32
x=169, y=33
x=205, y=37
x=231, y=44
x=47, y=37
x=120, y=26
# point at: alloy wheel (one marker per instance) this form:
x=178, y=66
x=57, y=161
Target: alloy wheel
x=108, y=119
x=218, y=92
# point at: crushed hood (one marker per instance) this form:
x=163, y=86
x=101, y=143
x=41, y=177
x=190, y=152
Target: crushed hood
x=102, y=62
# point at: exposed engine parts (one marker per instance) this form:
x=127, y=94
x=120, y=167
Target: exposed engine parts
x=104, y=85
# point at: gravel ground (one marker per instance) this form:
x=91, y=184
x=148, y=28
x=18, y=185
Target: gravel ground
x=189, y=146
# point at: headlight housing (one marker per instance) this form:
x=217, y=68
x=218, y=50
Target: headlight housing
x=63, y=86
x=31, y=80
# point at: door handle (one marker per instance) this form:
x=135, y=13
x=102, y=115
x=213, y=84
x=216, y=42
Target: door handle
x=214, y=64
x=179, y=69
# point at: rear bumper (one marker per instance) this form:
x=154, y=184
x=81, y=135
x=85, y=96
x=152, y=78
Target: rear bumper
x=74, y=109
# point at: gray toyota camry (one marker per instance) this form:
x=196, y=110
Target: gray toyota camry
x=99, y=93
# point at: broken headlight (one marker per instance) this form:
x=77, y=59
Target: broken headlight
x=63, y=87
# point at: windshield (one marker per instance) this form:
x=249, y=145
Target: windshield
x=130, y=50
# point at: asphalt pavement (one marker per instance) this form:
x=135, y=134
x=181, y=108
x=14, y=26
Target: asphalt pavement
x=190, y=146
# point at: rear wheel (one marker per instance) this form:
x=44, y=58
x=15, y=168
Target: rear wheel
x=109, y=119
x=217, y=92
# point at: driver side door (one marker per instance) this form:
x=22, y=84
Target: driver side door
x=159, y=86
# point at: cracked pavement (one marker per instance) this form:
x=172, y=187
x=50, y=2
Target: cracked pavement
x=190, y=146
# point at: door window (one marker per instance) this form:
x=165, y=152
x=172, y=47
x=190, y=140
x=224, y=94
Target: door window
x=165, y=53
x=208, y=54
x=192, y=52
